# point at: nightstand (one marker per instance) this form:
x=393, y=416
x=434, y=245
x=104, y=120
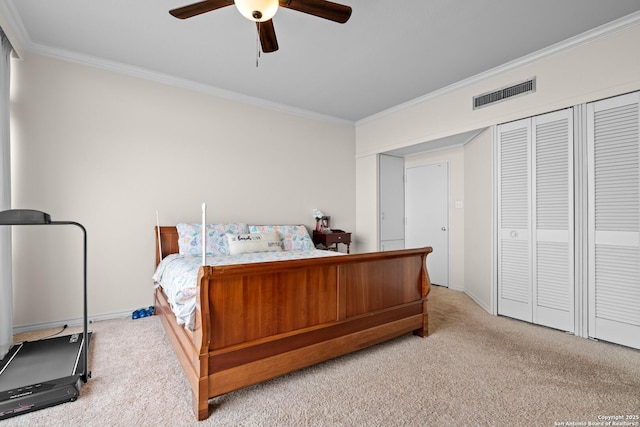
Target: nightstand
x=331, y=239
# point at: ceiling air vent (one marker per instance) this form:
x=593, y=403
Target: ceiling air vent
x=528, y=86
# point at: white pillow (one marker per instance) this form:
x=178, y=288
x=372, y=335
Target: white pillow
x=293, y=237
x=254, y=242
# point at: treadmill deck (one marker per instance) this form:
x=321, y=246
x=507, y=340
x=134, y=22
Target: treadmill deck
x=38, y=374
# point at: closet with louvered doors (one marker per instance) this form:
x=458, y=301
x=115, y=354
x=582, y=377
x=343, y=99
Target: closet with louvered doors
x=613, y=138
x=535, y=220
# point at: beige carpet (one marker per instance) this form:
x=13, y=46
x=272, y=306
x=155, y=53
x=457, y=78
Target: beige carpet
x=473, y=370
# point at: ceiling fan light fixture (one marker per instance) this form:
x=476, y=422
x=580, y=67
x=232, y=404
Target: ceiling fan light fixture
x=257, y=10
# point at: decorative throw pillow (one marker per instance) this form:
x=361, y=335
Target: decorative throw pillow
x=190, y=238
x=254, y=242
x=293, y=237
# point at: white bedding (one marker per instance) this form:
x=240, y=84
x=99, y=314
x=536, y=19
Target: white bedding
x=178, y=274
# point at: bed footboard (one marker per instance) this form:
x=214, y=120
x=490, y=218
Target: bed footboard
x=258, y=321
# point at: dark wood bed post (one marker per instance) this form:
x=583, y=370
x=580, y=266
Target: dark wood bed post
x=202, y=342
x=426, y=288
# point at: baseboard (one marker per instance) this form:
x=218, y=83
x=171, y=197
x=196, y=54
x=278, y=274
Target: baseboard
x=478, y=301
x=69, y=322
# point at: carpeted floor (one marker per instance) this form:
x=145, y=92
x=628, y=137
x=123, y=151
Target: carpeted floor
x=474, y=369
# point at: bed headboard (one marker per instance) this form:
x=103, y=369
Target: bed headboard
x=169, y=241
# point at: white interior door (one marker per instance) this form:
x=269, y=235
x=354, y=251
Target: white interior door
x=552, y=222
x=427, y=212
x=514, y=222
x=535, y=216
x=614, y=219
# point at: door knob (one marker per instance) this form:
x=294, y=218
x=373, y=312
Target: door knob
x=444, y=229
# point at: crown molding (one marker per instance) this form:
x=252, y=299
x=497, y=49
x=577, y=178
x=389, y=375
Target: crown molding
x=171, y=80
x=600, y=32
x=146, y=74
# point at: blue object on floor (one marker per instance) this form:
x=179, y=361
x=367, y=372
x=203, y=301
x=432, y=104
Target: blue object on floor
x=143, y=313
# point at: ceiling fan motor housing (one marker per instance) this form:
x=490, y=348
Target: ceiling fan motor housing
x=257, y=10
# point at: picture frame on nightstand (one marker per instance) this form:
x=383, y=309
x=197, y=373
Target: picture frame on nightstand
x=325, y=223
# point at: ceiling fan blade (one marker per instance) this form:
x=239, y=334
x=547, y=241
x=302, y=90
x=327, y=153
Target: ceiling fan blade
x=198, y=8
x=267, y=34
x=321, y=8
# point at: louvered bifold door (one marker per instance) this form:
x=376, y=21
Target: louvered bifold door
x=614, y=219
x=514, y=257
x=552, y=220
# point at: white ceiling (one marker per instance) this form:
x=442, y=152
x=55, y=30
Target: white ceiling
x=389, y=52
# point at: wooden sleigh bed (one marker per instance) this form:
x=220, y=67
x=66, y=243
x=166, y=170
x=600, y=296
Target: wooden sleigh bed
x=254, y=322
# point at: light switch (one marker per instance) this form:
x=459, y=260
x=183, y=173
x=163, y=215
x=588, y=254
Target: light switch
x=459, y=204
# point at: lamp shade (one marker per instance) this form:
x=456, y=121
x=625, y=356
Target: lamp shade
x=257, y=10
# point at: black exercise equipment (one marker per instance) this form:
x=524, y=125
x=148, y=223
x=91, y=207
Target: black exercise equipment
x=38, y=374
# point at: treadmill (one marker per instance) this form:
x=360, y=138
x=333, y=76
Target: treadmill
x=47, y=372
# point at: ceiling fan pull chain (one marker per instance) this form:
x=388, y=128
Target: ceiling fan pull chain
x=257, y=44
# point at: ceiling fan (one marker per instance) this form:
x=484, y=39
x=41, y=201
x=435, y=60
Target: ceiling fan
x=261, y=12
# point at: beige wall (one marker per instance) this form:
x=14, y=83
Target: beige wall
x=597, y=68
x=108, y=150
x=478, y=219
x=367, y=230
